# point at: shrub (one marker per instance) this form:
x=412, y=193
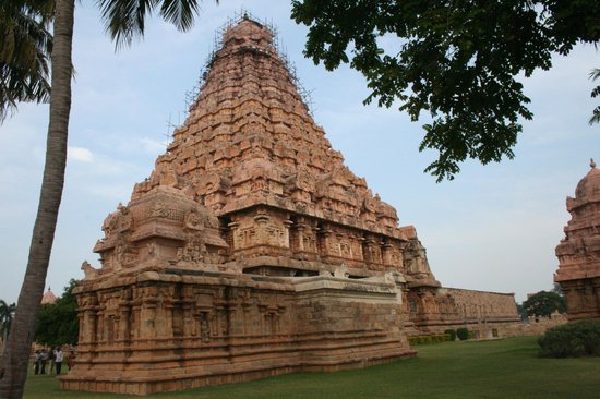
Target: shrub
x=452, y=333
x=415, y=340
x=462, y=333
x=571, y=340
x=428, y=339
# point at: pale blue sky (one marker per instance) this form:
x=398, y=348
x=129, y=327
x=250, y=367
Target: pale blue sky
x=493, y=228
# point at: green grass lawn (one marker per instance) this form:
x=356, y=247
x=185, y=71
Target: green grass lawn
x=508, y=368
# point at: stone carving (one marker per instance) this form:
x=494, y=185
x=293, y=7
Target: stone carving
x=88, y=270
x=341, y=271
x=204, y=330
x=125, y=252
x=193, y=250
x=193, y=221
x=159, y=210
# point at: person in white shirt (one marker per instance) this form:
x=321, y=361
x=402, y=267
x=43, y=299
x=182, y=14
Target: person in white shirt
x=59, y=360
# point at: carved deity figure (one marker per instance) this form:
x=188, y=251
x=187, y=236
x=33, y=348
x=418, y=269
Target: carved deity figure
x=193, y=250
x=124, y=217
x=159, y=210
x=204, y=329
x=194, y=221
x=110, y=224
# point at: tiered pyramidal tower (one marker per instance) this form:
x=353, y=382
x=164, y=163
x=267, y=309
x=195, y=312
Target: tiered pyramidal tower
x=252, y=155
x=251, y=250
x=579, y=252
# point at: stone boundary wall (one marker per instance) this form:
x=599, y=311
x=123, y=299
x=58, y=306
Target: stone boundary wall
x=488, y=314
x=537, y=326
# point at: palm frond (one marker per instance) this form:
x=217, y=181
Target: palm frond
x=25, y=45
x=594, y=75
x=595, y=116
x=180, y=13
x=124, y=20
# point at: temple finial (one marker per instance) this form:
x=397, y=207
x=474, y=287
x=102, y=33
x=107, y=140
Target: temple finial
x=592, y=163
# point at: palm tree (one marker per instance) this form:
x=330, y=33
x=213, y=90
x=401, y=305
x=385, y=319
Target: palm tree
x=6, y=315
x=13, y=369
x=124, y=20
x=25, y=44
x=594, y=75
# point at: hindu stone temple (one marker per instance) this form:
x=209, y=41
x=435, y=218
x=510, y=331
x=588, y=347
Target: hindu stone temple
x=579, y=252
x=252, y=251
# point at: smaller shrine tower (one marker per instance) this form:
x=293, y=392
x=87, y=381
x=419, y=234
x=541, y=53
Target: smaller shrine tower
x=579, y=252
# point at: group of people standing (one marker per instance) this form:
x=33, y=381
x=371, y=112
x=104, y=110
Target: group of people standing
x=49, y=358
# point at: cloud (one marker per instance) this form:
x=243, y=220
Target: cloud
x=112, y=192
x=80, y=154
x=153, y=146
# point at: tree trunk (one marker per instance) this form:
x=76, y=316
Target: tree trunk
x=15, y=356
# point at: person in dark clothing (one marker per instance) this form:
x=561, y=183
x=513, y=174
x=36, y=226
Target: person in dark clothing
x=36, y=363
x=52, y=359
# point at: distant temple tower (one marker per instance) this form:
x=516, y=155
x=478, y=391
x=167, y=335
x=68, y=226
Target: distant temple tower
x=579, y=252
x=48, y=298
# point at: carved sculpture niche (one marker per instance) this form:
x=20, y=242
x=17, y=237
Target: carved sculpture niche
x=260, y=229
x=303, y=237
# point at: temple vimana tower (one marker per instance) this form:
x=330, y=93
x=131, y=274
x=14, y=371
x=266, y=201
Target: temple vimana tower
x=252, y=250
x=579, y=252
